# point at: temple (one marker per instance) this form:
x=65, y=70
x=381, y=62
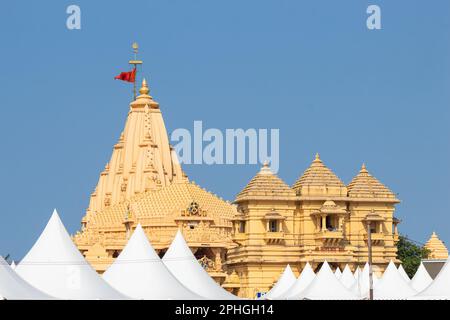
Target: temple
x=437, y=249
x=318, y=219
x=243, y=245
x=144, y=183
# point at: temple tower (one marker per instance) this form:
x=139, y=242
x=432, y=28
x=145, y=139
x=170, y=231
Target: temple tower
x=141, y=160
x=437, y=248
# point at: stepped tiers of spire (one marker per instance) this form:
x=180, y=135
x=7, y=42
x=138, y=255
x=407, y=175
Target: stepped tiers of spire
x=319, y=218
x=244, y=245
x=142, y=160
x=437, y=248
x=144, y=183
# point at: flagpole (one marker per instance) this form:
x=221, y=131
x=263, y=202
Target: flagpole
x=135, y=62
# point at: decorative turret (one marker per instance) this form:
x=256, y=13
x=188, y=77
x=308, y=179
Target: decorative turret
x=267, y=186
x=364, y=185
x=318, y=180
x=437, y=248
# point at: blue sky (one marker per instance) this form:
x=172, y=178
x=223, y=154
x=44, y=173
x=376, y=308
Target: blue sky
x=310, y=68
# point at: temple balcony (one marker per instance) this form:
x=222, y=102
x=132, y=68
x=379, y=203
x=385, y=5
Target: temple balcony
x=274, y=237
x=332, y=237
x=239, y=236
x=377, y=237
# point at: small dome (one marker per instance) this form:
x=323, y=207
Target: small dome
x=437, y=248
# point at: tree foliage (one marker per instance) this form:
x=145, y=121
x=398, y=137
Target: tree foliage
x=410, y=254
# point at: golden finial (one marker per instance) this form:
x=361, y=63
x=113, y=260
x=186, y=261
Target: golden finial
x=144, y=89
x=135, y=47
x=363, y=168
x=317, y=158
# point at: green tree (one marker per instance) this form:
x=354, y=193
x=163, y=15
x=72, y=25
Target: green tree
x=410, y=254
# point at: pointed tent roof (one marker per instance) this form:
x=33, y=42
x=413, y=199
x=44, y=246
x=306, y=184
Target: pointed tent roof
x=286, y=280
x=439, y=289
x=347, y=278
x=13, y=287
x=55, y=266
x=265, y=185
x=364, y=185
x=139, y=273
x=318, y=175
x=325, y=286
x=357, y=273
x=303, y=281
x=361, y=285
x=392, y=285
x=338, y=273
x=437, y=248
x=403, y=273
x=421, y=279
x=13, y=265
x=185, y=267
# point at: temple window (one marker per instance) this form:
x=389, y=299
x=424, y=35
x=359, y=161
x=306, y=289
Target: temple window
x=273, y=226
x=242, y=227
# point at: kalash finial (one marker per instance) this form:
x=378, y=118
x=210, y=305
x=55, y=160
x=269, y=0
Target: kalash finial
x=144, y=89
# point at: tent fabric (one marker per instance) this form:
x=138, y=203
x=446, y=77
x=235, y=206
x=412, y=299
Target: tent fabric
x=55, y=266
x=403, y=273
x=421, y=279
x=361, y=286
x=306, y=277
x=347, y=278
x=286, y=280
x=338, y=273
x=392, y=285
x=185, y=267
x=13, y=287
x=439, y=289
x=325, y=286
x=13, y=265
x=139, y=273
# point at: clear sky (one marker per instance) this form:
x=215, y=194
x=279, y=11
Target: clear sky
x=310, y=68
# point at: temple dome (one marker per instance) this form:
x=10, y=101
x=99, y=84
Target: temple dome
x=437, y=248
x=266, y=185
x=319, y=180
x=364, y=185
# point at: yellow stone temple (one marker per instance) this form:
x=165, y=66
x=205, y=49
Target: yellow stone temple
x=438, y=250
x=244, y=245
x=144, y=183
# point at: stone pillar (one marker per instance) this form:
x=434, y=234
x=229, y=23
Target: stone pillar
x=324, y=223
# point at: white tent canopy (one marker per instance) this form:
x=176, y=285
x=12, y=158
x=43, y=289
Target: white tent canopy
x=325, y=286
x=306, y=277
x=185, y=267
x=338, y=273
x=403, y=273
x=13, y=287
x=55, y=266
x=392, y=285
x=139, y=273
x=439, y=289
x=13, y=265
x=421, y=279
x=347, y=278
x=283, y=284
x=361, y=286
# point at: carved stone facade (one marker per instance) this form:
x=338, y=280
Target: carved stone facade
x=245, y=245
x=318, y=219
